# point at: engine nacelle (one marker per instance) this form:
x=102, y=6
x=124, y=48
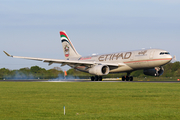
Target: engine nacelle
x=99, y=70
x=157, y=71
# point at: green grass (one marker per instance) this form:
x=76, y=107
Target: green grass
x=149, y=78
x=89, y=100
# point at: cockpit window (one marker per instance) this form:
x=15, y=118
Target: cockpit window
x=163, y=53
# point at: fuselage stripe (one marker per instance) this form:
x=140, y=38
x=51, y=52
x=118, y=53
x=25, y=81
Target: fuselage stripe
x=148, y=60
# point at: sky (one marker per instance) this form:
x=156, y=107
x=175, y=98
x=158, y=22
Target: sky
x=31, y=28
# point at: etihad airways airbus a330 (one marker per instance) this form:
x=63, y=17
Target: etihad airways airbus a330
x=150, y=60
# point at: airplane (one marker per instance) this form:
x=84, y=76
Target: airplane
x=151, y=61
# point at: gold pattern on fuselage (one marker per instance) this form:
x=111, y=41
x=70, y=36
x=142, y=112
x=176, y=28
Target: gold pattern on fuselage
x=142, y=52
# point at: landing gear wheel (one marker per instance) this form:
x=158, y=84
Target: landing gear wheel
x=123, y=78
x=100, y=78
x=96, y=78
x=127, y=78
x=131, y=78
x=92, y=78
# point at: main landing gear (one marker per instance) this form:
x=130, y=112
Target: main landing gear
x=96, y=78
x=127, y=78
x=124, y=78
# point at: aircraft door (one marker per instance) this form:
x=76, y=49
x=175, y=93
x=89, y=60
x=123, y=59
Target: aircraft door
x=132, y=56
x=151, y=55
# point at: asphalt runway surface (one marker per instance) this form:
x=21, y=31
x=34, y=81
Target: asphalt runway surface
x=82, y=80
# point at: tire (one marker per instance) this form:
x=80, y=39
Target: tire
x=96, y=78
x=131, y=78
x=127, y=78
x=92, y=78
x=100, y=78
x=123, y=78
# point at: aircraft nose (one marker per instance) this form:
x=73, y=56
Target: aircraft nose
x=170, y=57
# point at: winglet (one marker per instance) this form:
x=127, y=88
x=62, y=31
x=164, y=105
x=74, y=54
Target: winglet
x=7, y=54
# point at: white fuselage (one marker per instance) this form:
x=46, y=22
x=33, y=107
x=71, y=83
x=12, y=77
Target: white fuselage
x=133, y=60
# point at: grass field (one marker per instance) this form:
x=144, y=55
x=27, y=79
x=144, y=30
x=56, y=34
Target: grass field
x=89, y=100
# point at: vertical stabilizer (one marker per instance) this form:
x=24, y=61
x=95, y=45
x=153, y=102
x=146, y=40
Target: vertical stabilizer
x=69, y=50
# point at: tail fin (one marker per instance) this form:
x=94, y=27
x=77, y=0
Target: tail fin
x=69, y=50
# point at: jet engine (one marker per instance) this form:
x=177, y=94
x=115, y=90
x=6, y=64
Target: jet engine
x=99, y=70
x=157, y=71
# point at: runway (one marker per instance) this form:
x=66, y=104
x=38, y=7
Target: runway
x=83, y=80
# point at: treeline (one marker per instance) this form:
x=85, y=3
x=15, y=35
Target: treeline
x=35, y=72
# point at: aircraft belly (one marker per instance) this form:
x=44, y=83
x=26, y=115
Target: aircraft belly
x=82, y=68
x=121, y=69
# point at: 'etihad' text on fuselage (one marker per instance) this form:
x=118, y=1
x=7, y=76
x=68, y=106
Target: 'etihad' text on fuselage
x=116, y=56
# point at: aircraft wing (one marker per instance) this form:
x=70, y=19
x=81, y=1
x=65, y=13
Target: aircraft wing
x=67, y=62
